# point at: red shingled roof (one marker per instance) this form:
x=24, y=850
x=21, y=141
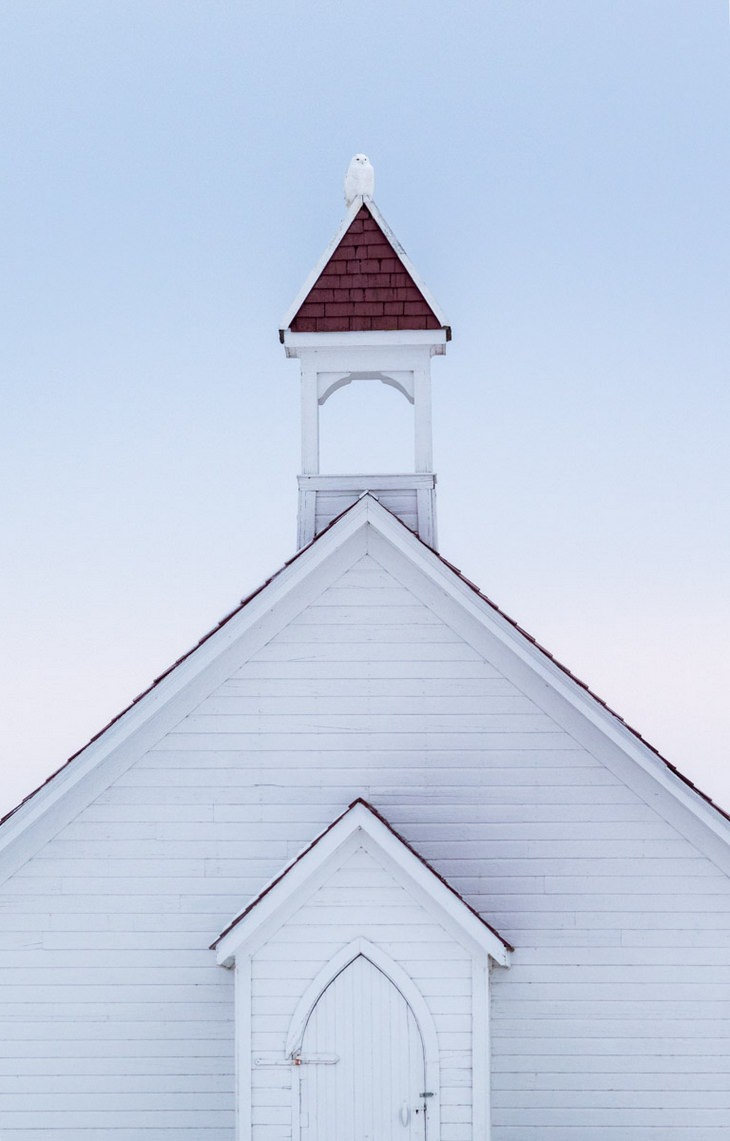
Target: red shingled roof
x=364, y=286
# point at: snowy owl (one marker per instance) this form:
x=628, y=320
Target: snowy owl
x=359, y=180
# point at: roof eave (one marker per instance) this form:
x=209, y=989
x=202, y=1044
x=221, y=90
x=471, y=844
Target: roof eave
x=297, y=343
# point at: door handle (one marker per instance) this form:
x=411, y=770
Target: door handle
x=405, y=1115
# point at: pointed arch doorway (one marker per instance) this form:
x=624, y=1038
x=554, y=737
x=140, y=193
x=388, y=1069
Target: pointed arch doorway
x=435, y=959
x=362, y=1066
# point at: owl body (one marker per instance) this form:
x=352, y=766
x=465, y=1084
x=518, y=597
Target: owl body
x=359, y=180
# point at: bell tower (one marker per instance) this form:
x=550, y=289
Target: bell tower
x=364, y=314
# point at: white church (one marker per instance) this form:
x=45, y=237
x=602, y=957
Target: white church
x=367, y=864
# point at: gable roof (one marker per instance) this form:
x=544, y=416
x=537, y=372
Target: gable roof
x=363, y=282
x=457, y=600
x=358, y=818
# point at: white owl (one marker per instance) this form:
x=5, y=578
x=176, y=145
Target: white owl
x=359, y=180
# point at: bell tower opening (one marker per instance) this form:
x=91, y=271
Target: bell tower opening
x=366, y=427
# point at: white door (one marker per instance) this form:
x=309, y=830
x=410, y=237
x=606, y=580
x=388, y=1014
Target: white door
x=362, y=1071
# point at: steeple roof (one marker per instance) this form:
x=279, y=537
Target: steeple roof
x=364, y=282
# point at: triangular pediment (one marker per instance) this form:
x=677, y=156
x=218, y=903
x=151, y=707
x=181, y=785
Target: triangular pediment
x=364, y=282
x=360, y=827
x=276, y=629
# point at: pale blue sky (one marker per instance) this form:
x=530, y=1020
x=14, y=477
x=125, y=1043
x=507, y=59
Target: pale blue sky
x=558, y=172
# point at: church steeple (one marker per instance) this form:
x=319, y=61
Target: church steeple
x=364, y=314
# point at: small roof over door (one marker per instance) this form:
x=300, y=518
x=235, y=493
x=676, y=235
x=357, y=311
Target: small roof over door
x=359, y=825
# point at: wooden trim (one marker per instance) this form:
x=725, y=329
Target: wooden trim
x=360, y=483
x=296, y=344
x=310, y=419
x=243, y=1051
x=423, y=433
x=397, y=975
x=329, y=382
x=480, y=1051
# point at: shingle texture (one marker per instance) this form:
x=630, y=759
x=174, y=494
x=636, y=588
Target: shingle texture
x=364, y=286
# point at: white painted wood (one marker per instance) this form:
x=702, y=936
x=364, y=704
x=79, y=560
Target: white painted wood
x=481, y=1046
x=422, y=420
x=360, y=947
x=426, y=505
x=314, y=961
x=364, y=482
x=374, y=1088
x=611, y=1022
x=433, y=340
x=310, y=419
x=330, y=382
x=412, y=498
x=306, y=518
x=244, y=1061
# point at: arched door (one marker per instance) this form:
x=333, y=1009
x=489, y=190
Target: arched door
x=362, y=1064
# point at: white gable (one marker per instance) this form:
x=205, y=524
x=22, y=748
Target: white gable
x=367, y=668
x=464, y=627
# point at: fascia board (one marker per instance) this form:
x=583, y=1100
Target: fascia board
x=301, y=879
x=301, y=344
x=306, y=872
x=555, y=683
x=118, y=747
x=434, y=895
x=303, y=293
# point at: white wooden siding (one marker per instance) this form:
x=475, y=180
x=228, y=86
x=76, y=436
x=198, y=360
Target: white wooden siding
x=612, y=1022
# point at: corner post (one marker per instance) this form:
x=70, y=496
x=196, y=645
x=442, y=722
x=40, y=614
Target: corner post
x=310, y=419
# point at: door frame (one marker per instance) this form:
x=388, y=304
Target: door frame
x=403, y=983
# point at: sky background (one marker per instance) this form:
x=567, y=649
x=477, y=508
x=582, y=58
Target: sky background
x=558, y=172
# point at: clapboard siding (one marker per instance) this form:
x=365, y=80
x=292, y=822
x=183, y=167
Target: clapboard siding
x=611, y=1023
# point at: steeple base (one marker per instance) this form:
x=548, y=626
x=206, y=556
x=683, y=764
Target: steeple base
x=411, y=497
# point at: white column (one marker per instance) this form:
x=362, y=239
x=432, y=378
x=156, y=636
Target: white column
x=310, y=421
x=423, y=447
